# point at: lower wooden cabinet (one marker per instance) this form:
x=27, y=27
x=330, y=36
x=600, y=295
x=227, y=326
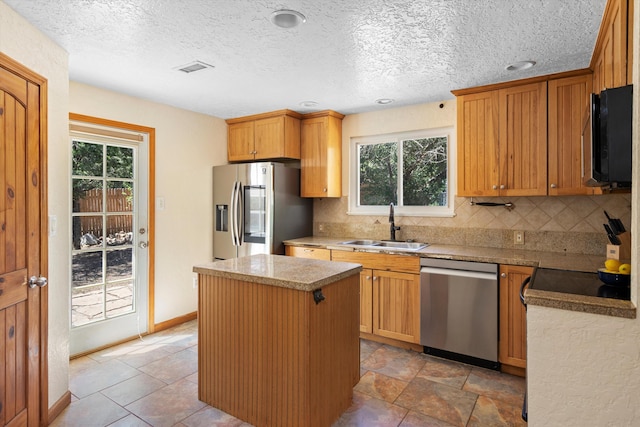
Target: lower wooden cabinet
x=396, y=305
x=366, y=301
x=513, y=323
x=389, y=294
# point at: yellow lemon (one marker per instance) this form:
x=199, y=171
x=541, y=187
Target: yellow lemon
x=624, y=269
x=612, y=264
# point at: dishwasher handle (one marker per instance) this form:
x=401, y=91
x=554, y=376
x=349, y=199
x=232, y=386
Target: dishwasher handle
x=459, y=273
x=525, y=282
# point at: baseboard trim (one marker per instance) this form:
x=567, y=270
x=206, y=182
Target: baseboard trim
x=391, y=341
x=514, y=370
x=57, y=408
x=175, y=321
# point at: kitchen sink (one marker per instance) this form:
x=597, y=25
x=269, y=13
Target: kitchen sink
x=410, y=246
x=361, y=242
x=403, y=245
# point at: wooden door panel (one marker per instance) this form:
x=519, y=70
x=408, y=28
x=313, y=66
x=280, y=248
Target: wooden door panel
x=478, y=144
x=366, y=301
x=240, y=141
x=13, y=288
x=23, y=402
x=523, y=140
x=568, y=104
x=396, y=305
x=269, y=138
x=513, y=327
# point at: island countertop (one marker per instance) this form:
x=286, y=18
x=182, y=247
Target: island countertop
x=278, y=270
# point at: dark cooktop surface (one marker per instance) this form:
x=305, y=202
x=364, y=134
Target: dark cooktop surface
x=576, y=282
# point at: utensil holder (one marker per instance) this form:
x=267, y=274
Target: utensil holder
x=622, y=251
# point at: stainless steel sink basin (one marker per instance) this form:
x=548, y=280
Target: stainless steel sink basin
x=361, y=242
x=410, y=246
x=403, y=245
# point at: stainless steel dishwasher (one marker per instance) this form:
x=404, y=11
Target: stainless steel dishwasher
x=459, y=310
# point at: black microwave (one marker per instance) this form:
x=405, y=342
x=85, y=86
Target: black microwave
x=610, y=128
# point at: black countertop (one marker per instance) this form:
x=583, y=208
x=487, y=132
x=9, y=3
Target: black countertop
x=577, y=283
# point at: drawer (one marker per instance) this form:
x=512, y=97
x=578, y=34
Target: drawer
x=378, y=261
x=308, y=252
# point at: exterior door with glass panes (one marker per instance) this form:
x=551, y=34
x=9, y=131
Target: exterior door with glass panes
x=109, y=289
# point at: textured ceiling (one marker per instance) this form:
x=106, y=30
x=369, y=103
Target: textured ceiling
x=348, y=54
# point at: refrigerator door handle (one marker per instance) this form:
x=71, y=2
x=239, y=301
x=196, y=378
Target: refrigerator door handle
x=236, y=214
x=239, y=215
x=233, y=214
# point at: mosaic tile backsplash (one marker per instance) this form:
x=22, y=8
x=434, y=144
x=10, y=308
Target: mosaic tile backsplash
x=569, y=224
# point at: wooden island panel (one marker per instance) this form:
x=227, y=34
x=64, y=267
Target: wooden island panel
x=271, y=356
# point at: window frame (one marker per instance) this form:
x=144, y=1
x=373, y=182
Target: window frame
x=426, y=211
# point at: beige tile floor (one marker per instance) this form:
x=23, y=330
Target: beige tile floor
x=153, y=382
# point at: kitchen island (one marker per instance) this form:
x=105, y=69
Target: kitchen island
x=278, y=338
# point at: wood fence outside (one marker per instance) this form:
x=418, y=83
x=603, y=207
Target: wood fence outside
x=118, y=200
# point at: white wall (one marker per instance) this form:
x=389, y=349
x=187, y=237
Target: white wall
x=402, y=119
x=584, y=369
x=188, y=144
x=27, y=45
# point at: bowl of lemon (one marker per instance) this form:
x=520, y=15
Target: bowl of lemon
x=615, y=273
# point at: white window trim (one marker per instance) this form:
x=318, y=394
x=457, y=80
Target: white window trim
x=426, y=211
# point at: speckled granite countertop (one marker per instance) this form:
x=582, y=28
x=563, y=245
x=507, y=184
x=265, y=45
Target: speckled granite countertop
x=551, y=260
x=278, y=270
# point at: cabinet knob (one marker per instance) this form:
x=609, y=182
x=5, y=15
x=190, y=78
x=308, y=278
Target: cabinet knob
x=503, y=275
x=502, y=187
x=375, y=278
x=495, y=187
x=368, y=277
x=324, y=190
x=554, y=186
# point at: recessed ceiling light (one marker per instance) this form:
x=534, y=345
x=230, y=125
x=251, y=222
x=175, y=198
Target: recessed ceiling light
x=285, y=18
x=384, y=101
x=308, y=104
x=522, y=65
x=193, y=66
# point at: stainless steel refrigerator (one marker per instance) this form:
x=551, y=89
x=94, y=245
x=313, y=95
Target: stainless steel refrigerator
x=256, y=207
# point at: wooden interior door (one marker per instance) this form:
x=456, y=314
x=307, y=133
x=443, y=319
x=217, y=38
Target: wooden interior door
x=23, y=351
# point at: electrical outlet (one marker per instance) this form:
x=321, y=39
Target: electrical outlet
x=518, y=237
x=321, y=227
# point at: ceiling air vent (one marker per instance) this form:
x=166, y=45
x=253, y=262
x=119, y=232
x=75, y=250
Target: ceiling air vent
x=193, y=67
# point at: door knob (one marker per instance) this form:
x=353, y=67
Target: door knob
x=37, y=281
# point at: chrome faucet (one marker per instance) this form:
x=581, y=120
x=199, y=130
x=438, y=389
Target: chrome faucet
x=392, y=227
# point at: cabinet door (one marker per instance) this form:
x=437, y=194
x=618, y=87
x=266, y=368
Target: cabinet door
x=321, y=157
x=609, y=65
x=568, y=104
x=513, y=325
x=269, y=138
x=396, y=305
x=523, y=140
x=366, y=301
x=478, y=173
x=240, y=139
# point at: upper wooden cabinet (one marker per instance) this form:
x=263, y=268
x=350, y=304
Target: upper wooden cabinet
x=502, y=141
x=612, y=57
x=321, y=155
x=568, y=103
x=274, y=135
